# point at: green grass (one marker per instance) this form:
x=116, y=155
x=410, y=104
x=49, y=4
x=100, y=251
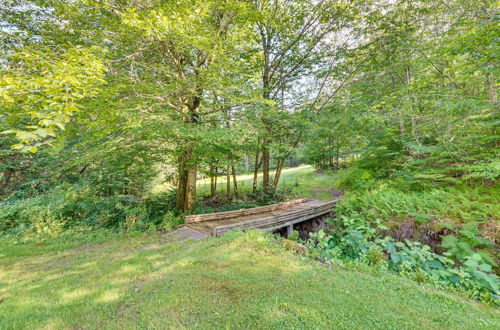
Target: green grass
x=304, y=181
x=240, y=280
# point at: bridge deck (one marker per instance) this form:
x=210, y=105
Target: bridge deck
x=264, y=218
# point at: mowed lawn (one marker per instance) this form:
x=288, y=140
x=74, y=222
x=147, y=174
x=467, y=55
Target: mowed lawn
x=242, y=280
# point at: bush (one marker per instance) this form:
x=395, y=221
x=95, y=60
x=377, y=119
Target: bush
x=355, y=178
x=294, y=236
x=69, y=206
x=411, y=259
x=432, y=235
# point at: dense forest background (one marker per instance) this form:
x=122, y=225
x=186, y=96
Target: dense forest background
x=111, y=112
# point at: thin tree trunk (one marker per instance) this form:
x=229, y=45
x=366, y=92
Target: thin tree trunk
x=279, y=167
x=337, y=158
x=181, y=183
x=413, y=117
x=400, y=113
x=257, y=165
x=235, y=183
x=228, y=183
x=266, y=94
x=212, y=190
x=265, y=166
x=215, y=180
x=247, y=163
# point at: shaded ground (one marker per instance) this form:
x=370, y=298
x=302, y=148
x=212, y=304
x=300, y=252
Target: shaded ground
x=239, y=280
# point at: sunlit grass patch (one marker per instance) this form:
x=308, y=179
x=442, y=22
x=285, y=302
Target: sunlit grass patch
x=238, y=280
x=303, y=181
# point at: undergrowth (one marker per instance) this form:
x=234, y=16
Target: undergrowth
x=444, y=235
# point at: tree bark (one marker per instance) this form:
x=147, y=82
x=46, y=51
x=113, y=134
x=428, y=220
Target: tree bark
x=186, y=188
x=235, y=183
x=337, y=157
x=257, y=165
x=266, y=94
x=277, y=175
x=413, y=117
x=213, y=181
x=247, y=163
x=265, y=166
x=212, y=191
x=228, y=183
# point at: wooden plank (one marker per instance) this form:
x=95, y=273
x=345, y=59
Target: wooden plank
x=278, y=220
x=242, y=212
x=186, y=233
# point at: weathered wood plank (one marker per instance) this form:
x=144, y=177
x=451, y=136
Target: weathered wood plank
x=279, y=220
x=242, y=212
x=186, y=233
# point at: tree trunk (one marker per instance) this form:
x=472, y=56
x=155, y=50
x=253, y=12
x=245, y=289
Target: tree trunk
x=186, y=188
x=181, y=183
x=235, y=183
x=190, y=200
x=265, y=166
x=279, y=167
x=212, y=190
x=228, y=184
x=213, y=181
x=257, y=165
x=337, y=158
x=247, y=163
x=413, y=117
x=266, y=94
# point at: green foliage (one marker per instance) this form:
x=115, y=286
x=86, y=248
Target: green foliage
x=465, y=244
x=437, y=235
x=294, y=236
x=455, y=205
x=355, y=178
x=72, y=206
x=410, y=259
x=41, y=90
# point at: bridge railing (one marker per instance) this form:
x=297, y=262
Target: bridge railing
x=241, y=212
x=281, y=220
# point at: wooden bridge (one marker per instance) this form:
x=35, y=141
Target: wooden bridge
x=264, y=218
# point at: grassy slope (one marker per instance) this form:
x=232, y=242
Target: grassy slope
x=303, y=180
x=239, y=280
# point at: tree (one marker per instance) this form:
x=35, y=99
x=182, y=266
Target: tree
x=40, y=91
x=292, y=36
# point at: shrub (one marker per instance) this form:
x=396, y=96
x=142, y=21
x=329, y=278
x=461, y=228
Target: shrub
x=367, y=221
x=69, y=206
x=294, y=236
x=355, y=178
x=410, y=259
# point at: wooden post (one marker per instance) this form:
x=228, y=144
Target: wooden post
x=289, y=230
